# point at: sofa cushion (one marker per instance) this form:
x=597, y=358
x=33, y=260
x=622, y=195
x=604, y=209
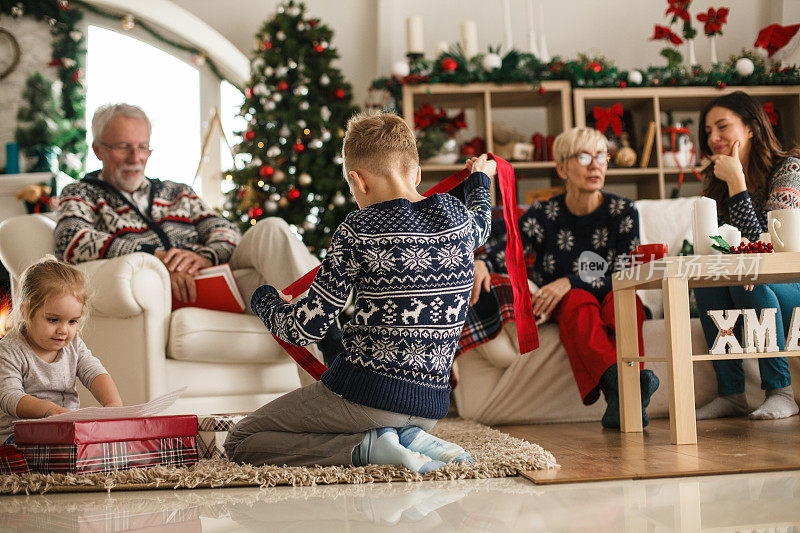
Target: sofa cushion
x=202, y=335
x=664, y=222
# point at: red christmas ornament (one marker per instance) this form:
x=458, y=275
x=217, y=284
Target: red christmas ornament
x=313, y=23
x=542, y=90
x=255, y=212
x=448, y=64
x=266, y=171
x=266, y=45
x=594, y=66
x=249, y=135
x=339, y=93
x=282, y=85
x=721, y=84
x=656, y=81
x=293, y=194
x=623, y=84
x=299, y=147
x=318, y=48
x=248, y=92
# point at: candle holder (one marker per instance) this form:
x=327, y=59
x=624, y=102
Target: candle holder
x=413, y=58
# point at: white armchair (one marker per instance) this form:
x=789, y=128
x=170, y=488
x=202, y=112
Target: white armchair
x=228, y=361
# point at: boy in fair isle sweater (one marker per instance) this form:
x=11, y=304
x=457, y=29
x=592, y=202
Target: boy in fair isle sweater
x=410, y=261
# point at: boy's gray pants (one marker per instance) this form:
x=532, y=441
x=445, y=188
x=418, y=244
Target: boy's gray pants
x=309, y=426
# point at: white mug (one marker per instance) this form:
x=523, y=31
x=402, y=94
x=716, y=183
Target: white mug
x=784, y=229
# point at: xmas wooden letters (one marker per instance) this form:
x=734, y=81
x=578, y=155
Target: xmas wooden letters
x=760, y=334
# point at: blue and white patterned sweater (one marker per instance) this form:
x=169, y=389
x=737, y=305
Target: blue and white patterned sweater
x=412, y=267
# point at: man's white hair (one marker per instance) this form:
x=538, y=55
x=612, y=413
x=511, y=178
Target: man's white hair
x=106, y=112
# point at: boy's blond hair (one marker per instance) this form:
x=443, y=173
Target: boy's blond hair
x=43, y=280
x=379, y=143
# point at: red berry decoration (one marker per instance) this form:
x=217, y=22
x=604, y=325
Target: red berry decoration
x=339, y=93
x=266, y=171
x=623, y=84
x=318, y=48
x=299, y=147
x=313, y=23
x=266, y=45
x=542, y=90
x=721, y=84
x=248, y=92
x=594, y=66
x=282, y=86
x=293, y=194
x=249, y=135
x=448, y=64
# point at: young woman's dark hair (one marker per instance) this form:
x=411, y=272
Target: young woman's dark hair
x=765, y=149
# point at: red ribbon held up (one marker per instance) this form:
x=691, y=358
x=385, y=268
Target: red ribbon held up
x=527, y=334
x=608, y=117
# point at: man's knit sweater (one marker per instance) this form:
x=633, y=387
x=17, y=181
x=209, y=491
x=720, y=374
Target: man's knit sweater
x=411, y=265
x=96, y=221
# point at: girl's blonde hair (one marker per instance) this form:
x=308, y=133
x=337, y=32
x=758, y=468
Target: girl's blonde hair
x=43, y=280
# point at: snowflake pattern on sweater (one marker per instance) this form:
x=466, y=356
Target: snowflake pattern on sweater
x=555, y=239
x=96, y=221
x=748, y=212
x=411, y=266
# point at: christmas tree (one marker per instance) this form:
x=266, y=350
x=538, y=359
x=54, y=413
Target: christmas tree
x=296, y=106
x=44, y=133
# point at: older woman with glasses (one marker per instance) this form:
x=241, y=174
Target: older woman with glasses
x=573, y=242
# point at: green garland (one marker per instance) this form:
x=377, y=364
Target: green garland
x=583, y=72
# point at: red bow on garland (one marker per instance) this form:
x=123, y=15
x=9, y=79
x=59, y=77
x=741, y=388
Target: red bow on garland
x=772, y=115
x=608, y=117
x=663, y=32
x=714, y=19
x=774, y=37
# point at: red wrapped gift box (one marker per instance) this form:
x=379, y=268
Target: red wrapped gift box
x=102, y=446
x=11, y=461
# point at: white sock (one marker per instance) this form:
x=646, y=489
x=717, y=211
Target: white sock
x=723, y=406
x=779, y=404
x=382, y=447
x=417, y=440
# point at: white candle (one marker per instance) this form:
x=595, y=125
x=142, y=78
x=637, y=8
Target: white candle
x=532, y=48
x=509, y=42
x=469, y=38
x=414, y=41
x=704, y=224
x=442, y=47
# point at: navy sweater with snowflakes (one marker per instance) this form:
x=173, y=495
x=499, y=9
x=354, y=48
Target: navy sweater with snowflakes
x=557, y=240
x=411, y=265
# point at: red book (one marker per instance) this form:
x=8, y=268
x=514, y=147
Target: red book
x=216, y=289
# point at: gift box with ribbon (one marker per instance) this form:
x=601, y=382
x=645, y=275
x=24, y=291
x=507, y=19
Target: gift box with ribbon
x=212, y=430
x=102, y=446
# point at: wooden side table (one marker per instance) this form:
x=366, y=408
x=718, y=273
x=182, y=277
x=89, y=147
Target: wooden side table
x=674, y=276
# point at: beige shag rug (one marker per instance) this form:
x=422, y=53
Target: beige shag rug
x=496, y=454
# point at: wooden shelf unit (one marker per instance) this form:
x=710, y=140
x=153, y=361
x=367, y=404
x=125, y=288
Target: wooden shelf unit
x=648, y=103
x=482, y=99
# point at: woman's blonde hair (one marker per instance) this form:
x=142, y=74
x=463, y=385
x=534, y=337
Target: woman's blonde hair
x=572, y=141
x=42, y=281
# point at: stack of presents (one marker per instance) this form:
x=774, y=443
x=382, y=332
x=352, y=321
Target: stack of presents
x=102, y=446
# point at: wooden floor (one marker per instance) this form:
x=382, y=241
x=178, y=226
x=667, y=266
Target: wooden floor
x=586, y=452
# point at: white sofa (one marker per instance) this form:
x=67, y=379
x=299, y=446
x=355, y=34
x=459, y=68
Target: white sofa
x=228, y=361
x=498, y=386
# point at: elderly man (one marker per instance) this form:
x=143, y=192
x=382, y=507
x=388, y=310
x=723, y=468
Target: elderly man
x=117, y=211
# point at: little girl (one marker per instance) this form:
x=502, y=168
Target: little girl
x=42, y=355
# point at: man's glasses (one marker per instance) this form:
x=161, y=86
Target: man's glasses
x=585, y=159
x=125, y=148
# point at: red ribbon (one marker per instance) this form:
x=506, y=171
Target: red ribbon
x=527, y=334
x=608, y=117
x=772, y=115
x=774, y=37
x=724, y=332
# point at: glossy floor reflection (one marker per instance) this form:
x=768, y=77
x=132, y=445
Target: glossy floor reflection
x=762, y=502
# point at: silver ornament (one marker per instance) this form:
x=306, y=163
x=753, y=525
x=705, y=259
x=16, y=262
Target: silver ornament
x=324, y=80
x=273, y=151
x=315, y=144
x=303, y=106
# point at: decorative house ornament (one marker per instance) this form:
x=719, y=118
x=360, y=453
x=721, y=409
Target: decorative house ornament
x=760, y=333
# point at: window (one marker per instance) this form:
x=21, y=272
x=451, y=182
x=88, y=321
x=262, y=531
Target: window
x=123, y=69
x=231, y=100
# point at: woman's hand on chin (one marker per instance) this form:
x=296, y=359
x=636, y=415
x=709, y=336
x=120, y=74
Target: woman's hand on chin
x=728, y=168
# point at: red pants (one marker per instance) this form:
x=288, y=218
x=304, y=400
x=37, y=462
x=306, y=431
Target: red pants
x=586, y=329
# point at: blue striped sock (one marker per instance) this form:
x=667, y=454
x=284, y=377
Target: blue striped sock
x=417, y=440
